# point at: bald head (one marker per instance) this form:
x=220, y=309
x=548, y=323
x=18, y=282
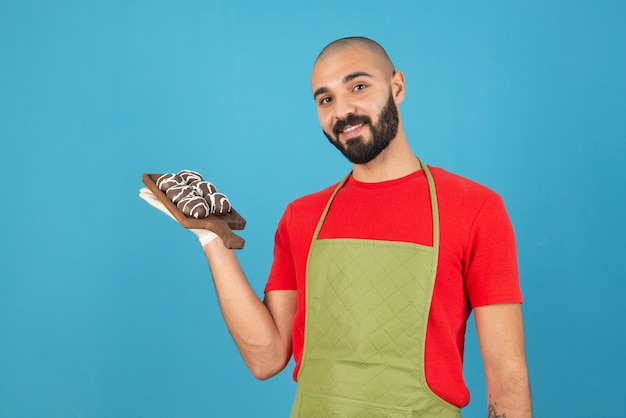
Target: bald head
x=352, y=43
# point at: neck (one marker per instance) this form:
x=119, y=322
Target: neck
x=395, y=161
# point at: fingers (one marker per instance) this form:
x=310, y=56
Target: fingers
x=204, y=235
x=152, y=200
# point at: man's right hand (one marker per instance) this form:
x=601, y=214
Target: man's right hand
x=204, y=235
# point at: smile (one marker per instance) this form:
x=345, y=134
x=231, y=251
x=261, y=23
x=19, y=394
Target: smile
x=351, y=129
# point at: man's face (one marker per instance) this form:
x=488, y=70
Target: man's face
x=358, y=150
x=355, y=104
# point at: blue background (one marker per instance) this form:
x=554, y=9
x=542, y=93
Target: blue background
x=107, y=308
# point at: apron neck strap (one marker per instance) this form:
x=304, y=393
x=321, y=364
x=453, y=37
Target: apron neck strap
x=433, y=203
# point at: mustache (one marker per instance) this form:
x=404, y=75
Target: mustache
x=350, y=120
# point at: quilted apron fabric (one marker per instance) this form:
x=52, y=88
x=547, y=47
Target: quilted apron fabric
x=367, y=306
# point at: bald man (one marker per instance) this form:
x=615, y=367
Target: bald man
x=374, y=277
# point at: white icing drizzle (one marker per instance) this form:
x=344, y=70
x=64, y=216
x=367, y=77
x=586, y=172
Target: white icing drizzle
x=219, y=203
x=211, y=201
x=204, y=187
x=176, y=193
x=190, y=176
x=194, y=206
x=165, y=181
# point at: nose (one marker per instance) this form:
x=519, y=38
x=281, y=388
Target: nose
x=344, y=107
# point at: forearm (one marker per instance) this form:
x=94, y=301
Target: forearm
x=264, y=346
x=508, y=391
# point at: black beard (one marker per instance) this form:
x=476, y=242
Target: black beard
x=358, y=151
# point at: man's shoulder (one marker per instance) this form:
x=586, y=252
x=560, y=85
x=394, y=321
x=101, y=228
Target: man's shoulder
x=301, y=214
x=314, y=199
x=458, y=185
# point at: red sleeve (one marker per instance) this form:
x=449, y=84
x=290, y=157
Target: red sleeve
x=491, y=274
x=283, y=271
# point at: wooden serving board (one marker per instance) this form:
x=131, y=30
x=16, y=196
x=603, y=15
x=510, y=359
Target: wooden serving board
x=223, y=224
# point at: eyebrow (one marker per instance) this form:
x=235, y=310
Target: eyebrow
x=346, y=79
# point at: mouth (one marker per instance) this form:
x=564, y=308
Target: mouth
x=351, y=128
x=351, y=131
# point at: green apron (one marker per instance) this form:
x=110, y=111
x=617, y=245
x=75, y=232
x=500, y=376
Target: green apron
x=367, y=306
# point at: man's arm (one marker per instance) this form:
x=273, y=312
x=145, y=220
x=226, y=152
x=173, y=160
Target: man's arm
x=500, y=332
x=261, y=330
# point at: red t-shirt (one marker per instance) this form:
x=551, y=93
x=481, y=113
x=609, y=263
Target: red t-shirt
x=477, y=255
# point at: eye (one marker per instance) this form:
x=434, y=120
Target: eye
x=359, y=87
x=325, y=100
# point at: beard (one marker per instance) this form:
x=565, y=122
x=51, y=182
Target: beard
x=358, y=151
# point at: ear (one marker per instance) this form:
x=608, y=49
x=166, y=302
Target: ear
x=398, y=86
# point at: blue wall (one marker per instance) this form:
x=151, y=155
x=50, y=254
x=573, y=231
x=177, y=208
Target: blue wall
x=107, y=307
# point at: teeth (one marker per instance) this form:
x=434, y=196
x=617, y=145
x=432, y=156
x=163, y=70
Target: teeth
x=352, y=128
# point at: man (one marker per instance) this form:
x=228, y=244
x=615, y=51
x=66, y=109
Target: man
x=374, y=278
